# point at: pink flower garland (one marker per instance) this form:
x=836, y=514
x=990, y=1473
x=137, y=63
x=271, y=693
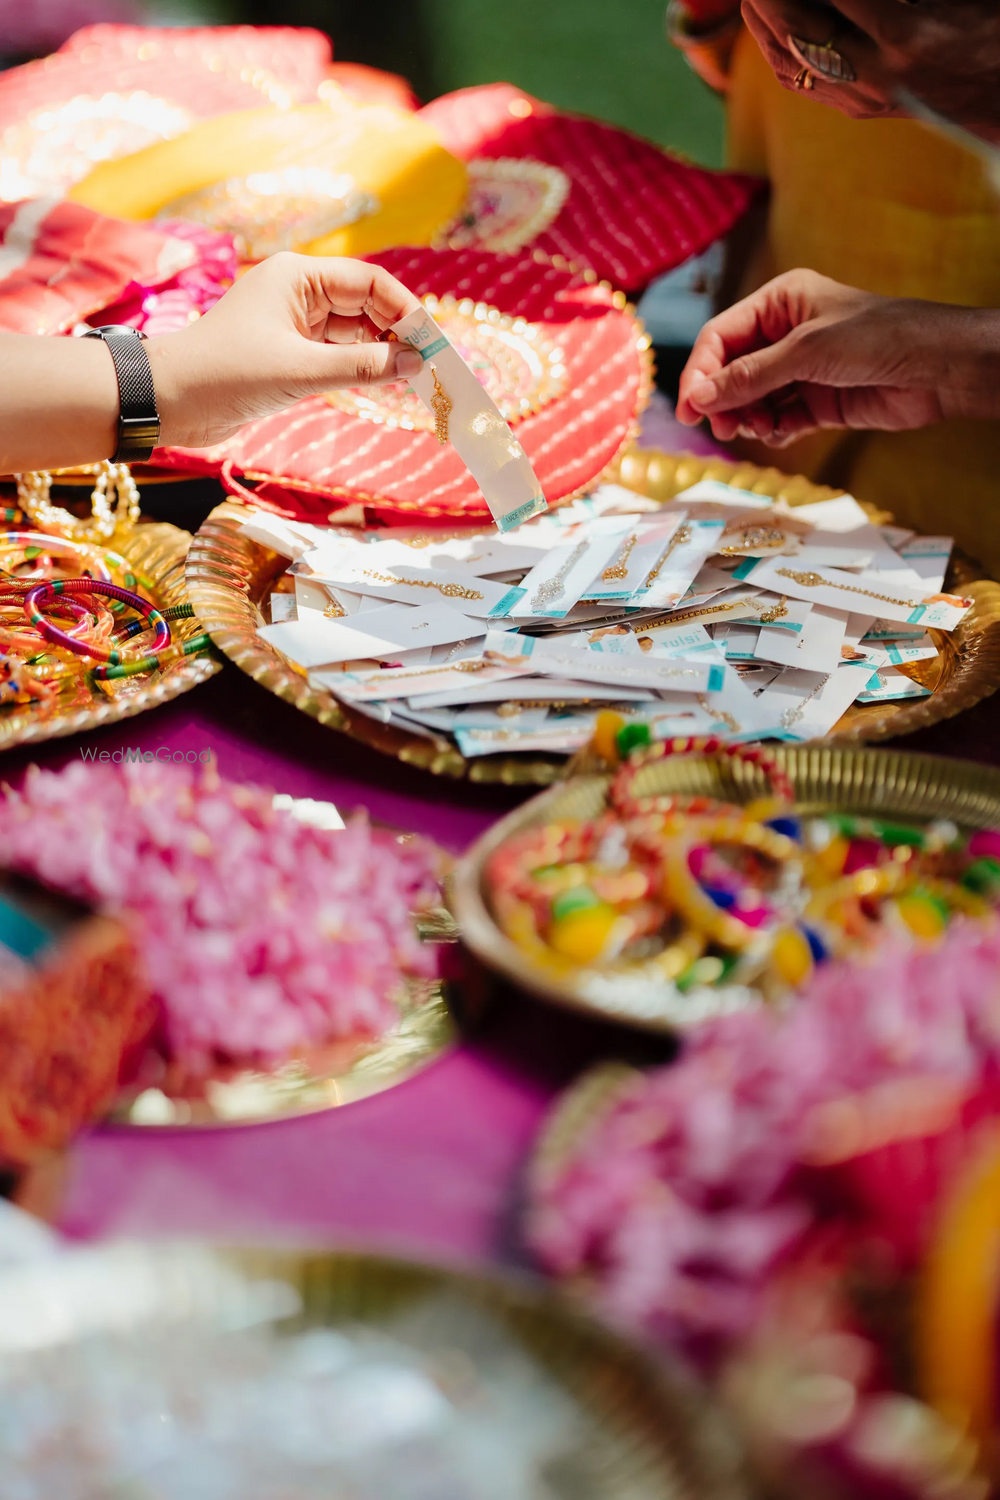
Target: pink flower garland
x=263, y=937
x=678, y=1203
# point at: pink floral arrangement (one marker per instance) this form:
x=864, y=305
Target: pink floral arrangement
x=679, y=1202
x=263, y=937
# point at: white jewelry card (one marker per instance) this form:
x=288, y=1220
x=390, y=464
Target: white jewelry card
x=717, y=492
x=891, y=630
x=741, y=642
x=779, y=613
x=520, y=688
x=287, y=538
x=815, y=648
x=806, y=705
x=479, y=555
x=472, y=423
x=283, y=607
x=483, y=716
x=685, y=640
x=842, y=591
x=645, y=670
x=639, y=552
x=309, y=595
x=692, y=545
x=741, y=604
x=379, y=633
x=415, y=585
x=565, y=738
x=929, y=557
x=553, y=587
x=407, y=682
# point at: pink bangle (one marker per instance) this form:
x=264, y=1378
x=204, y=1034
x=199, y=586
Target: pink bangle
x=45, y=593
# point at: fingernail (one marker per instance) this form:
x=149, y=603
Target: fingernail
x=408, y=362
x=702, y=393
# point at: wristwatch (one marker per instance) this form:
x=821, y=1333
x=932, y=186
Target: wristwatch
x=138, y=418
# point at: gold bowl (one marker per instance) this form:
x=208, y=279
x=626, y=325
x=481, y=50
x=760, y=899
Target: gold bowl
x=824, y=776
x=229, y=576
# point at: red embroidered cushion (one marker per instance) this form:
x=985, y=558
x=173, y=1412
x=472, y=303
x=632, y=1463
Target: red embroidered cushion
x=633, y=210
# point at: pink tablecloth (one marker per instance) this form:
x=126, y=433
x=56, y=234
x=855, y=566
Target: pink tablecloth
x=432, y=1166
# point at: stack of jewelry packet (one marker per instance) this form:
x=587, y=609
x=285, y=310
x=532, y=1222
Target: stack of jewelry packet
x=718, y=613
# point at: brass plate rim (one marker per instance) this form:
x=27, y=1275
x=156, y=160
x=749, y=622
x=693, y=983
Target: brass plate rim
x=845, y=772
x=440, y=1040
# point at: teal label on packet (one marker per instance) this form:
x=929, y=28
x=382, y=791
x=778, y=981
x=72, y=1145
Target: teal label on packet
x=20, y=933
x=515, y=517
x=917, y=614
x=506, y=604
x=716, y=677
x=435, y=348
x=745, y=569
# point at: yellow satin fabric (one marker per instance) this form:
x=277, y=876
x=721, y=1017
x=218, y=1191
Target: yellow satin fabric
x=389, y=153
x=892, y=207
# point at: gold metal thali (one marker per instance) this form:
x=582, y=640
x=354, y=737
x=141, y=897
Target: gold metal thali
x=228, y=576
x=158, y=550
x=874, y=782
x=340, y=1074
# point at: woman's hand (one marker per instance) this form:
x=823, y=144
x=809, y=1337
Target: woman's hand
x=805, y=353
x=294, y=326
x=947, y=52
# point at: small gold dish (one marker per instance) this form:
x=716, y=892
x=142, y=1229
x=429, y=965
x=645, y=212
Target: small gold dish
x=825, y=777
x=158, y=550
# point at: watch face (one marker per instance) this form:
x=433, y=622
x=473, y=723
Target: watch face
x=121, y=328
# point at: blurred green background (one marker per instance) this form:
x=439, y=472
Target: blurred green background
x=608, y=58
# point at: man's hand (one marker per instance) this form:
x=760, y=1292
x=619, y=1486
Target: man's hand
x=947, y=52
x=294, y=326
x=805, y=353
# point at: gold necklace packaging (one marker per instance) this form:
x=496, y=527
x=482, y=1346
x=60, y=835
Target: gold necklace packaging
x=471, y=421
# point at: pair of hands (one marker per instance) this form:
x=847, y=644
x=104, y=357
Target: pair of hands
x=946, y=52
x=805, y=353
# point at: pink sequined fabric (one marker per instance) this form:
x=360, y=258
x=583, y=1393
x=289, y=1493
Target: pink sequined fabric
x=171, y=306
x=677, y=1205
x=263, y=937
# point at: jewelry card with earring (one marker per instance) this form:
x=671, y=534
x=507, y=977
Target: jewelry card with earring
x=467, y=417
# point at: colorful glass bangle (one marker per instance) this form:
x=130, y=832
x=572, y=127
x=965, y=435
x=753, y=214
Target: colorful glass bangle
x=45, y=593
x=109, y=672
x=626, y=803
x=33, y=544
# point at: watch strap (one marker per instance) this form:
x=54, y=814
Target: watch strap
x=138, y=418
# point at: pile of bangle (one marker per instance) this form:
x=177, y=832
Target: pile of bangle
x=63, y=618
x=693, y=892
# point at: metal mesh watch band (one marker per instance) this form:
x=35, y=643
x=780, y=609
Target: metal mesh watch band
x=138, y=420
